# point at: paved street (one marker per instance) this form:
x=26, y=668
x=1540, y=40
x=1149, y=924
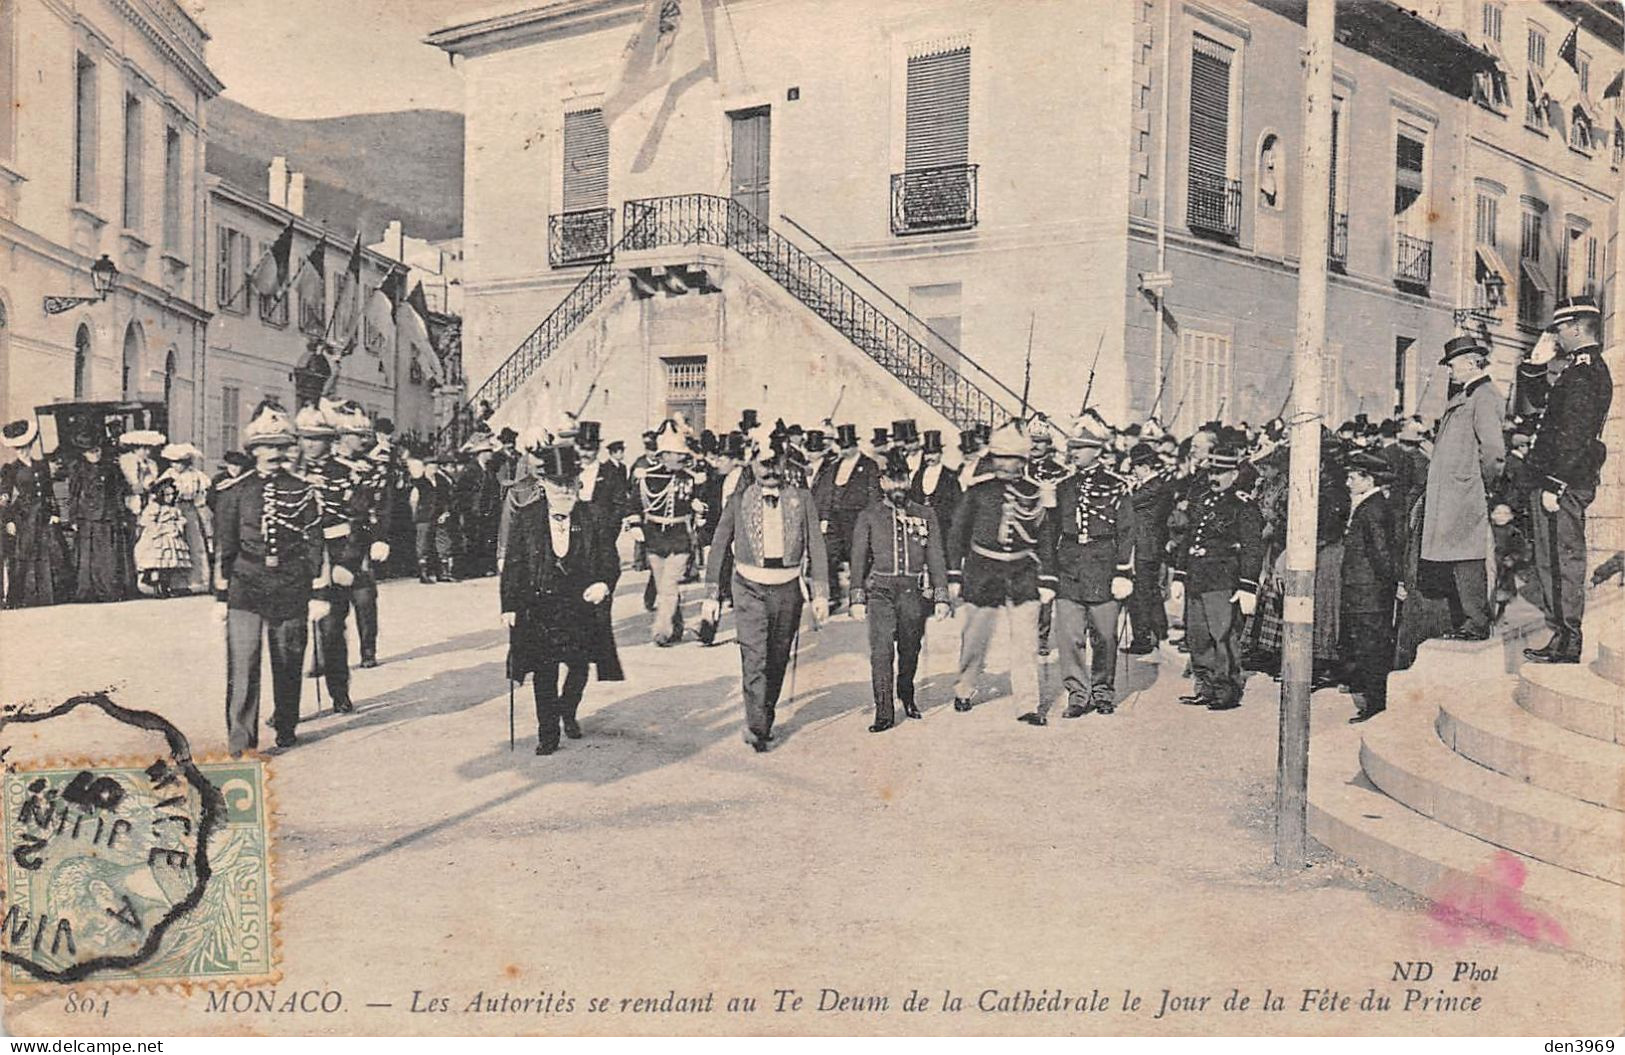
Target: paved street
x=964, y=851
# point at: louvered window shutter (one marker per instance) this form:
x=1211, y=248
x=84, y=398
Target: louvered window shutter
x=938, y=110
x=1336, y=120
x=1210, y=110
x=1407, y=173
x=586, y=161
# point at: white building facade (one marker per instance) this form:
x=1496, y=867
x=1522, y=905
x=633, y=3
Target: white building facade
x=102, y=132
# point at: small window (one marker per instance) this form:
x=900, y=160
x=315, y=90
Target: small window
x=686, y=389
x=1492, y=22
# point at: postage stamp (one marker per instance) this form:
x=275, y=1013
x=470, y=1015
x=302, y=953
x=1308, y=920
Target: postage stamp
x=138, y=871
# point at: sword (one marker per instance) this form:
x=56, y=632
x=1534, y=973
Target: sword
x=510, y=715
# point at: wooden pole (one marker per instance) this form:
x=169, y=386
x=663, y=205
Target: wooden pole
x=1303, y=501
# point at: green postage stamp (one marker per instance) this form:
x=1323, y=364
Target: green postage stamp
x=136, y=874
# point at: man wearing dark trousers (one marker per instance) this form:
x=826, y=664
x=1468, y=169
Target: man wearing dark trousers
x=899, y=576
x=335, y=484
x=1372, y=559
x=771, y=529
x=1153, y=498
x=1216, y=576
x=1564, y=467
x=855, y=483
x=269, y=574
x=559, y=570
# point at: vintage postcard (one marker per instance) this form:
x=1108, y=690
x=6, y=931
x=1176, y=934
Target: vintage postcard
x=783, y=517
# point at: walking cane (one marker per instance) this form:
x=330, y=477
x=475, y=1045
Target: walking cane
x=317, y=665
x=511, y=736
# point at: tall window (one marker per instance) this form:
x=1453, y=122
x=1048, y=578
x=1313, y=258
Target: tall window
x=313, y=305
x=1533, y=285
x=132, y=162
x=8, y=78
x=273, y=306
x=1484, y=220
x=1413, y=259
x=937, y=132
x=1619, y=144
x=1489, y=273
x=84, y=130
x=1214, y=199
x=1567, y=257
x=1402, y=371
x=1534, y=108
x=81, y=363
x=586, y=160
x=685, y=389
x=1492, y=22
x=231, y=270
x=1203, y=372
x=131, y=378
x=172, y=189
x=1338, y=215
x=231, y=409
x=1591, y=286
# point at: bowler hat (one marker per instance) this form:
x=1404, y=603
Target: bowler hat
x=505, y=437
x=559, y=463
x=931, y=440
x=1463, y=345
x=708, y=442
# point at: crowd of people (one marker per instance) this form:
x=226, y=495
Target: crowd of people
x=1076, y=538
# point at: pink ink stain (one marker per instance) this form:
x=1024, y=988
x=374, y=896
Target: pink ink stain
x=1492, y=902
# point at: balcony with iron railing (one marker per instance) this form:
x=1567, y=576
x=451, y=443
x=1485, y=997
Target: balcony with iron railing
x=586, y=236
x=924, y=201
x=1337, y=245
x=1413, y=260
x=1213, y=205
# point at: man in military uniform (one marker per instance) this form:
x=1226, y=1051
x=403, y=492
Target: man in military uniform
x=1094, y=567
x=269, y=573
x=664, y=523
x=335, y=485
x=370, y=502
x=856, y=483
x=1000, y=553
x=899, y=576
x=1563, y=469
x=1153, y=498
x=1216, y=576
x=1047, y=470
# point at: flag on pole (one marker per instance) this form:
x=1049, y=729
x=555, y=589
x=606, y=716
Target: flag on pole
x=383, y=301
x=312, y=284
x=1615, y=86
x=271, y=275
x=345, y=323
x=674, y=48
x=1563, y=82
x=412, y=322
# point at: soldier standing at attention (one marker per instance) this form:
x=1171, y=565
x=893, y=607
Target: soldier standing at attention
x=269, y=575
x=667, y=503
x=1564, y=466
x=1094, y=568
x=899, y=576
x=999, y=553
x=1216, y=576
x=335, y=487
x=369, y=524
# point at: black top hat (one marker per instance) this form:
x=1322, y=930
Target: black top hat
x=507, y=436
x=708, y=442
x=1575, y=307
x=815, y=440
x=649, y=440
x=984, y=431
x=733, y=445
x=931, y=441
x=881, y=439
x=748, y=420
x=559, y=463
x=1373, y=465
x=588, y=434
x=897, y=464
x=905, y=430
x=1143, y=454
x=970, y=440
x=1463, y=345
x=846, y=436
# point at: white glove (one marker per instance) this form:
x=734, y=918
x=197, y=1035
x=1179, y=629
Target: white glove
x=1176, y=592
x=823, y=527
x=1045, y=595
x=509, y=618
x=637, y=533
x=1401, y=592
x=1247, y=601
x=595, y=593
x=343, y=576
x=1122, y=586
x=56, y=520
x=698, y=506
x=941, y=612
x=860, y=612
x=820, y=609
x=1548, y=501
x=11, y=529
x=220, y=584
x=1501, y=515
x=319, y=609
x=379, y=552
x=955, y=590
x=711, y=611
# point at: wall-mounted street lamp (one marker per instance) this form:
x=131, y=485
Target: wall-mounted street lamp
x=103, y=275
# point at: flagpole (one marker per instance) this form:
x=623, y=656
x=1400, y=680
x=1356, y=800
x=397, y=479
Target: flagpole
x=248, y=279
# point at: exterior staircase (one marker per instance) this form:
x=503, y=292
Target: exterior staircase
x=712, y=220
x=1498, y=796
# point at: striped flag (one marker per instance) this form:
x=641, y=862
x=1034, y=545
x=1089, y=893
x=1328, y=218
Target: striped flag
x=271, y=275
x=345, y=323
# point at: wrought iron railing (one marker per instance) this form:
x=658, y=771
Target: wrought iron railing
x=1413, y=260
x=705, y=219
x=584, y=237
x=1337, y=248
x=934, y=199
x=1213, y=204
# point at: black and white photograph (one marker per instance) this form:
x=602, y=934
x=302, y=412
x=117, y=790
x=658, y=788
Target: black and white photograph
x=777, y=518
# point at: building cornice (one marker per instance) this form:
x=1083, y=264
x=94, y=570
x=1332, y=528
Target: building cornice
x=189, y=59
x=529, y=24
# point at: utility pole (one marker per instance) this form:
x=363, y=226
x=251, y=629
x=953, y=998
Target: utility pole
x=1303, y=494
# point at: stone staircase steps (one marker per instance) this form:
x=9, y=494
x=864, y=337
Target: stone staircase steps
x=1491, y=730
x=1609, y=664
x=1574, y=697
x=1402, y=755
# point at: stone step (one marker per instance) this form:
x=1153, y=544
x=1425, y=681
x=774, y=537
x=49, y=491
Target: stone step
x=1575, y=697
x=1609, y=664
x=1403, y=756
x=1493, y=731
x=1464, y=876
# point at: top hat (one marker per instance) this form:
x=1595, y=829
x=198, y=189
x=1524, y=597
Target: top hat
x=905, y=431
x=748, y=420
x=984, y=431
x=931, y=440
x=19, y=433
x=1463, y=345
x=897, y=464
x=507, y=435
x=558, y=462
x=588, y=435
x=732, y=446
x=846, y=436
x=708, y=442
x=970, y=440
x=881, y=439
x=814, y=440
x=1575, y=307
x=796, y=430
